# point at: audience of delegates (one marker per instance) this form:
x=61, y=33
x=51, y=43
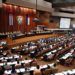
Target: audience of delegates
x=45, y=46
x=37, y=70
x=29, y=46
x=59, y=48
x=56, y=47
x=68, y=59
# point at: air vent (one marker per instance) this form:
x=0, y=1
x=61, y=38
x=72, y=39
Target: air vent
x=71, y=12
x=49, y=1
x=61, y=3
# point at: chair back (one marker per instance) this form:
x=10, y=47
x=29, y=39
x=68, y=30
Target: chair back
x=47, y=72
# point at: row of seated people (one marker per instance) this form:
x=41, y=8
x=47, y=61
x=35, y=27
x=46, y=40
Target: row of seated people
x=4, y=54
x=19, y=34
x=48, y=47
x=15, y=64
x=56, y=53
x=37, y=51
x=13, y=59
x=18, y=63
x=3, y=36
x=34, y=70
x=13, y=35
x=50, y=55
x=10, y=58
x=29, y=46
x=25, y=48
x=42, y=50
x=68, y=72
x=7, y=33
x=68, y=59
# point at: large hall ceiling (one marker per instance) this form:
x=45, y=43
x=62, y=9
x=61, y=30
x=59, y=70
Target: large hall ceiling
x=64, y=6
x=61, y=3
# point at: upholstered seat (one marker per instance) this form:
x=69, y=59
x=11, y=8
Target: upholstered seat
x=34, y=64
x=47, y=72
x=27, y=64
x=55, y=70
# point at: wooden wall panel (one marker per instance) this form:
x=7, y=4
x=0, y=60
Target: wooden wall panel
x=1, y=27
x=16, y=11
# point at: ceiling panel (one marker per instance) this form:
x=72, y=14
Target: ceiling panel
x=61, y=3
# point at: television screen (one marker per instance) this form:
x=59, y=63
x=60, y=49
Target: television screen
x=65, y=22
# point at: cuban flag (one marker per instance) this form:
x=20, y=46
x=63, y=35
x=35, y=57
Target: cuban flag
x=10, y=19
x=27, y=20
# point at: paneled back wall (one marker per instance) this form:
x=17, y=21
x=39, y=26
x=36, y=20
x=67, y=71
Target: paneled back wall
x=16, y=11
